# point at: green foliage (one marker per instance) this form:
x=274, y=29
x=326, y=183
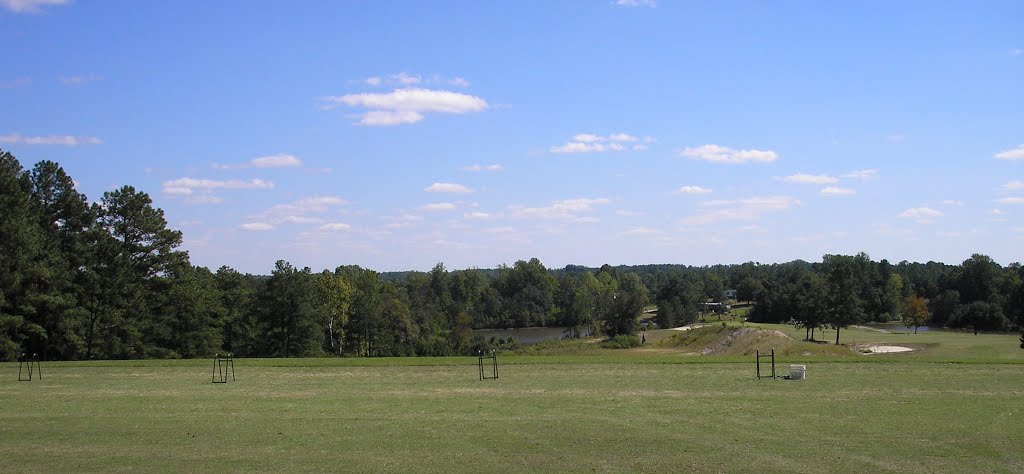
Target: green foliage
x=630, y=299
x=915, y=312
x=107, y=281
x=622, y=341
x=678, y=301
x=843, y=289
x=979, y=316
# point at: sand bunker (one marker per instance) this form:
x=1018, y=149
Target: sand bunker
x=687, y=328
x=885, y=349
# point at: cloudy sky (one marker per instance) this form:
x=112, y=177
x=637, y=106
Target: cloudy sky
x=395, y=135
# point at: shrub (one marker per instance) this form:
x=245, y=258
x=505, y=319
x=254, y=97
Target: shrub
x=622, y=341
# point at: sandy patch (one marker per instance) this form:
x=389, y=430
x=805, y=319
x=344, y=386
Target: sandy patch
x=688, y=327
x=875, y=349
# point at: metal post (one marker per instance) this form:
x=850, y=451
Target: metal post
x=773, y=363
x=21, y=361
x=494, y=355
x=757, y=357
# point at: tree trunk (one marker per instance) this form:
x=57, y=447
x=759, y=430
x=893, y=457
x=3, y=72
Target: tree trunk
x=807, y=334
x=837, y=335
x=915, y=329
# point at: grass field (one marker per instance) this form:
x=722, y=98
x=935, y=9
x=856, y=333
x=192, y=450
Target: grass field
x=634, y=410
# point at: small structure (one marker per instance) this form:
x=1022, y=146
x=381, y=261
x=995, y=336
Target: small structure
x=493, y=363
x=797, y=372
x=758, y=356
x=32, y=363
x=220, y=368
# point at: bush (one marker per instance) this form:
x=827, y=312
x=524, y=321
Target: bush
x=622, y=341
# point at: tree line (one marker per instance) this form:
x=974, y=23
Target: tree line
x=106, y=280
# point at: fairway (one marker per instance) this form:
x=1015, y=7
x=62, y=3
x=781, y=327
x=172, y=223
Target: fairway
x=610, y=416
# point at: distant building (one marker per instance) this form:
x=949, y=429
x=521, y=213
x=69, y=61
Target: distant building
x=730, y=294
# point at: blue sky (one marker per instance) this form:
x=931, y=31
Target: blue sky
x=395, y=135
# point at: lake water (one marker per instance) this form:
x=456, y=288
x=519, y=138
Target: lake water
x=898, y=328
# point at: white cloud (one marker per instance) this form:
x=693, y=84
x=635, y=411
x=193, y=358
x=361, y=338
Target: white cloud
x=862, y=175
x=256, y=226
x=1010, y=200
x=402, y=221
x=177, y=191
x=279, y=160
x=628, y=213
x=335, y=227
x=837, y=191
x=896, y=137
x=76, y=80
x=588, y=138
x=494, y=167
x=373, y=81
x=204, y=199
x=953, y=202
x=636, y=3
x=299, y=212
x=178, y=186
x=642, y=232
x=579, y=147
x=563, y=210
x=29, y=6
x=1012, y=186
x=476, y=216
x=459, y=82
x=810, y=179
x=66, y=140
x=385, y=118
x=921, y=214
x=20, y=82
x=403, y=106
x=740, y=209
x=302, y=220
x=751, y=228
x=693, y=190
x=406, y=79
x=721, y=154
x=1012, y=154
x=448, y=188
x=997, y=212
x=622, y=137
x=591, y=143
x=438, y=207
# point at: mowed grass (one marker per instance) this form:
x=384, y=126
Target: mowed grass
x=619, y=415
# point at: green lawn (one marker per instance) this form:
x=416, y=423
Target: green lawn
x=624, y=412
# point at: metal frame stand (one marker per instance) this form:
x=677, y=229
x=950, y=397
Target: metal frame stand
x=759, y=356
x=32, y=363
x=494, y=364
x=220, y=368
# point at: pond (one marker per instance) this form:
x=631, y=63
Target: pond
x=898, y=328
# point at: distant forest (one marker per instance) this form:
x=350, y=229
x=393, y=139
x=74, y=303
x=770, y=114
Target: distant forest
x=107, y=281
